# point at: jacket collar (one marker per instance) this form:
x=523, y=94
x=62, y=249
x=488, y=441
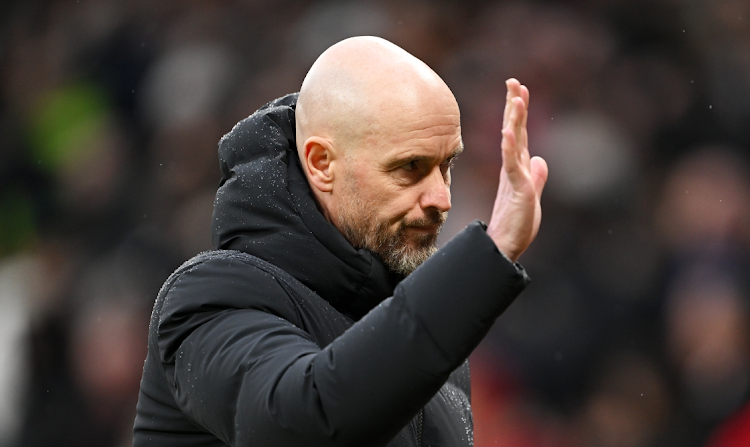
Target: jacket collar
x=264, y=207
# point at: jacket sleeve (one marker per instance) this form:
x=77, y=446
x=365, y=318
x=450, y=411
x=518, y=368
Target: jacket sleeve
x=251, y=377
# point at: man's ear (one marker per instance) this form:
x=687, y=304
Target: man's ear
x=320, y=160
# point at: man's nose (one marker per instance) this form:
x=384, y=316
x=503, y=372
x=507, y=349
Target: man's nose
x=437, y=192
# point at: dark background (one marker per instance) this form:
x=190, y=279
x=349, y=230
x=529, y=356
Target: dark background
x=635, y=330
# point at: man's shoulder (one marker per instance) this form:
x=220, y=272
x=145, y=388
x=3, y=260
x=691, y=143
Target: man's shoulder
x=213, y=284
x=223, y=279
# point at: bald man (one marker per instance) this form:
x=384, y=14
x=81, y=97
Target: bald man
x=327, y=316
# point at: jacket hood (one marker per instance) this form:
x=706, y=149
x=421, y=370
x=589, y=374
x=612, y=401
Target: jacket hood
x=264, y=207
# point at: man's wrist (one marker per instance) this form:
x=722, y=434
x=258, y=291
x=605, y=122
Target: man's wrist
x=508, y=249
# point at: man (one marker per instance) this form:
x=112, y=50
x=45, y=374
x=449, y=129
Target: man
x=330, y=203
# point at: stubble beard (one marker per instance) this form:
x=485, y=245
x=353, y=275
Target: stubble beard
x=401, y=253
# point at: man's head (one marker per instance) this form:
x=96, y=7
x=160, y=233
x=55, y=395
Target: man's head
x=377, y=131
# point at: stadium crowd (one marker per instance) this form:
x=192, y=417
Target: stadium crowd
x=635, y=331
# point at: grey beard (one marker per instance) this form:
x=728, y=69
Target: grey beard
x=362, y=231
x=404, y=259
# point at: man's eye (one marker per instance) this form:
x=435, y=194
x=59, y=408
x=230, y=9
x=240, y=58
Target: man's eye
x=409, y=166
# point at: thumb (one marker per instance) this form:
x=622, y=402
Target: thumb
x=539, y=172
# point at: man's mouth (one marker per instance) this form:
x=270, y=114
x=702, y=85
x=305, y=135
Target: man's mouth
x=432, y=229
x=427, y=226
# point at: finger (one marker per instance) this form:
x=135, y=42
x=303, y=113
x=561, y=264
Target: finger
x=539, y=174
x=508, y=105
x=524, y=93
x=510, y=159
x=510, y=150
x=525, y=97
x=511, y=86
x=522, y=133
x=518, y=118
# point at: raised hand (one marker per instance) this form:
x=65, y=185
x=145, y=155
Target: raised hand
x=517, y=211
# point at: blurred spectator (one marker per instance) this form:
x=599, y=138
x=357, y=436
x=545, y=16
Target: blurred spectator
x=326, y=23
x=708, y=336
x=703, y=218
x=593, y=160
x=187, y=85
x=705, y=205
x=628, y=405
x=14, y=327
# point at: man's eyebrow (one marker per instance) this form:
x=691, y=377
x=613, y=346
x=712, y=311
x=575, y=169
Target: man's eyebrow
x=409, y=159
x=457, y=151
x=417, y=158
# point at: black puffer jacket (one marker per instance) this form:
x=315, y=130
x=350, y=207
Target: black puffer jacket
x=286, y=335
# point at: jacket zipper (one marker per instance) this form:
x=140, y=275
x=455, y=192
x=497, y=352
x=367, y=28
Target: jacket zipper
x=420, y=423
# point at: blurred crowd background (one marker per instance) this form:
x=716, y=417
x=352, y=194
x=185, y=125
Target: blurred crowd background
x=635, y=331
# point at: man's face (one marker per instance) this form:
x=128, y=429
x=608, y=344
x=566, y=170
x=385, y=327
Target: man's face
x=394, y=194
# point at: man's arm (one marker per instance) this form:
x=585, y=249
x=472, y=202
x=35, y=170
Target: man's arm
x=251, y=377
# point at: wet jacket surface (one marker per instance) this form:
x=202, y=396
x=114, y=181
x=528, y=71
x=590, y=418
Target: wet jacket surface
x=288, y=336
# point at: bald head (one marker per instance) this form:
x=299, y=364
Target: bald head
x=361, y=88
x=377, y=131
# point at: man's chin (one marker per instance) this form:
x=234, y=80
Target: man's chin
x=421, y=238
x=402, y=248
x=408, y=258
